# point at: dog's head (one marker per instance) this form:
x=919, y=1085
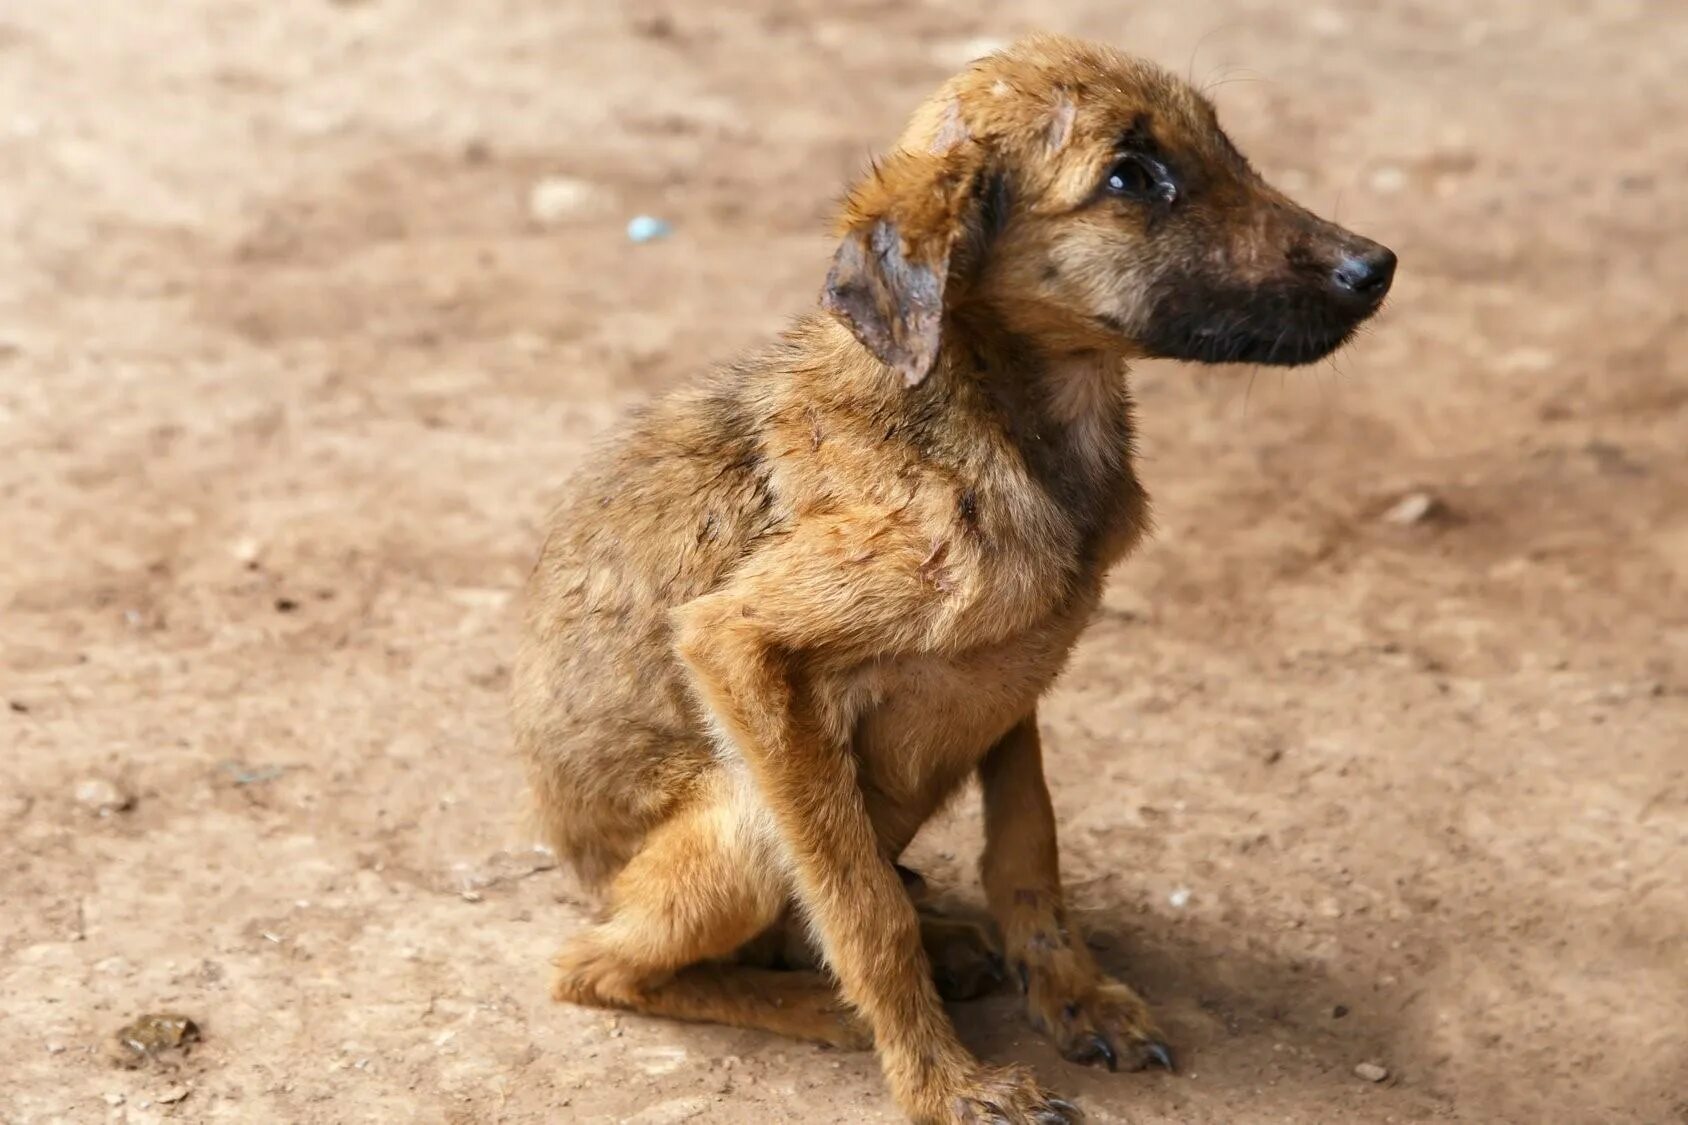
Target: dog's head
x=1089, y=201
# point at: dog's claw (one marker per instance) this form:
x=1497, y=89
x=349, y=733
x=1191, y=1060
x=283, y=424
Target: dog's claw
x=1160, y=1054
x=1011, y=1098
x=1105, y=1049
x=1092, y=1049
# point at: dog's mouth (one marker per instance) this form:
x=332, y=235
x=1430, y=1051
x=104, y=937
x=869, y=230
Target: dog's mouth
x=1282, y=325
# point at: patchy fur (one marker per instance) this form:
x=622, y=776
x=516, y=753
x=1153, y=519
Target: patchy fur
x=785, y=614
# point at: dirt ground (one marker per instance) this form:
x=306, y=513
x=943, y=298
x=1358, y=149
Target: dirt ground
x=290, y=362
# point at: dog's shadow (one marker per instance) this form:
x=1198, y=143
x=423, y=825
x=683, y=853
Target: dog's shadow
x=1236, y=1018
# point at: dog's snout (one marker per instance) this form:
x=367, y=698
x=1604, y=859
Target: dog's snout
x=1362, y=276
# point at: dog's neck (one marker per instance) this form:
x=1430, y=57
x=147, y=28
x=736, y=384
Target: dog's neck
x=1074, y=402
x=1067, y=414
x=1085, y=394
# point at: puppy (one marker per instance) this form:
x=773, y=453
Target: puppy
x=788, y=612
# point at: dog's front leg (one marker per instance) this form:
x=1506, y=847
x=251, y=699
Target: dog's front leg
x=752, y=649
x=1091, y=1017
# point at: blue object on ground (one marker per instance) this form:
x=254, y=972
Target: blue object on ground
x=647, y=228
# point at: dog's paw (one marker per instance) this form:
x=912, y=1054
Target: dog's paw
x=1005, y=1096
x=1103, y=1024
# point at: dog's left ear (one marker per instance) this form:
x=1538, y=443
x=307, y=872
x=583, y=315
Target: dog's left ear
x=889, y=275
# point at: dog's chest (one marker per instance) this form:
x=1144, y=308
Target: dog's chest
x=925, y=722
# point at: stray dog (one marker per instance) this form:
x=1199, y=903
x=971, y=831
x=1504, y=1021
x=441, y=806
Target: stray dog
x=785, y=614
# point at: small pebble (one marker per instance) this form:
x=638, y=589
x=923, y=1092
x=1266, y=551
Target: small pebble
x=1339, y=1011
x=1179, y=898
x=1371, y=1072
x=1414, y=507
x=113, y=1099
x=556, y=198
x=154, y=1035
x=1527, y=360
x=1388, y=180
x=173, y=1094
x=101, y=797
x=647, y=228
x=660, y=1060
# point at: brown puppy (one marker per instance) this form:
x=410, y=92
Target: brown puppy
x=785, y=614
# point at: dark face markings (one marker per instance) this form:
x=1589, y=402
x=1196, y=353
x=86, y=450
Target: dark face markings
x=1224, y=269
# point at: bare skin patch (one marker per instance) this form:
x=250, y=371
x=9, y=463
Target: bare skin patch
x=952, y=130
x=1060, y=128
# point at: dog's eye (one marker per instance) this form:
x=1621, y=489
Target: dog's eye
x=1141, y=177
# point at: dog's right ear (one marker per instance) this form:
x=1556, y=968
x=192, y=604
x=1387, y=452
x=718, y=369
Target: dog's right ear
x=888, y=277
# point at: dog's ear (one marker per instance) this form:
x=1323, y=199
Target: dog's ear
x=889, y=275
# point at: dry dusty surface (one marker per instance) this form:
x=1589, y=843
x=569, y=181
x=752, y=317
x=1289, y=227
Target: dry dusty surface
x=289, y=367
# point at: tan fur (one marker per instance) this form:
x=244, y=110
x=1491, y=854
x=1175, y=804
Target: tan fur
x=784, y=615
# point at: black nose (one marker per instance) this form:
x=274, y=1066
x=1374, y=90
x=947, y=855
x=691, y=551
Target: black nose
x=1363, y=277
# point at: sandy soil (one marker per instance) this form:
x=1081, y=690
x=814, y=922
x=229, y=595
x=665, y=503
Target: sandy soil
x=288, y=368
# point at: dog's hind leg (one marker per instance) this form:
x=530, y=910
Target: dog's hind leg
x=699, y=889
x=966, y=963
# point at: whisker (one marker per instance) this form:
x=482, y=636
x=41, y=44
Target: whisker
x=1190, y=70
x=1334, y=366
x=1234, y=74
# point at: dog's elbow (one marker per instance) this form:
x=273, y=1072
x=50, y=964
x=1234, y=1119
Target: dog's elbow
x=721, y=640
x=741, y=677
x=697, y=630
